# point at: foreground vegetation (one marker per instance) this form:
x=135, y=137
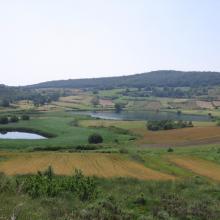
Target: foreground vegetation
x=46, y=196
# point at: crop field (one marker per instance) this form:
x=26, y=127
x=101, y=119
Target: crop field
x=204, y=105
x=186, y=136
x=132, y=126
x=202, y=133
x=216, y=103
x=198, y=166
x=79, y=101
x=185, y=104
x=101, y=165
x=106, y=103
x=144, y=105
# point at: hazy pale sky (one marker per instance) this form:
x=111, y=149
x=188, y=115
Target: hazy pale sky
x=44, y=40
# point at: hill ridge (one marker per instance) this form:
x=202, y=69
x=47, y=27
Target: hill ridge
x=169, y=78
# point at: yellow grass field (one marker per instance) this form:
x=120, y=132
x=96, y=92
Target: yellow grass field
x=98, y=164
x=205, y=105
x=106, y=103
x=198, y=166
x=75, y=101
x=130, y=125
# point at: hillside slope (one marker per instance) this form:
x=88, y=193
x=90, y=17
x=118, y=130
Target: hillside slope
x=162, y=78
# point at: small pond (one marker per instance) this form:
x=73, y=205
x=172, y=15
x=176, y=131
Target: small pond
x=145, y=115
x=20, y=135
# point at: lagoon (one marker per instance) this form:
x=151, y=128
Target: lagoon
x=20, y=135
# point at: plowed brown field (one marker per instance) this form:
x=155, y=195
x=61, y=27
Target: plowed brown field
x=185, y=136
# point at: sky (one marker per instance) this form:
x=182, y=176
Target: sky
x=43, y=40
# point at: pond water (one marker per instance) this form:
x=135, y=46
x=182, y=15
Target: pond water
x=145, y=115
x=20, y=135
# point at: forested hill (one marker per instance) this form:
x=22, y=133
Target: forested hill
x=162, y=78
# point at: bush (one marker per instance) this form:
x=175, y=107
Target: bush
x=48, y=184
x=25, y=117
x=75, y=122
x=123, y=151
x=87, y=147
x=118, y=107
x=14, y=118
x=4, y=120
x=104, y=209
x=5, y=183
x=170, y=149
x=140, y=200
x=95, y=139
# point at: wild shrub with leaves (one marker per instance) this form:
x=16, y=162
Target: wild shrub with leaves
x=47, y=184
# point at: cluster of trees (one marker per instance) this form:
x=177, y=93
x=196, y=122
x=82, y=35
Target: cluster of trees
x=13, y=118
x=11, y=94
x=41, y=99
x=171, y=92
x=167, y=125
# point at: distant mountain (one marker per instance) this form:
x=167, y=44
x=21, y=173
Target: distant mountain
x=162, y=78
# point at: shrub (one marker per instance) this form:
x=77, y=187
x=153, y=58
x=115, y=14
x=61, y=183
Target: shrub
x=118, y=130
x=48, y=184
x=4, y=120
x=14, y=118
x=123, y=151
x=75, y=122
x=118, y=107
x=87, y=147
x=170, y=149
x=95, y=139
x=179, y=112
x=95, y=101
x=140, y=200
x=116, y=141
x=85, y=187
x=5, y=183
x=25, y=117
x=104, y=209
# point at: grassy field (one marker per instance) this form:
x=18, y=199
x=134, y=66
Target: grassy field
x=59, y=124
